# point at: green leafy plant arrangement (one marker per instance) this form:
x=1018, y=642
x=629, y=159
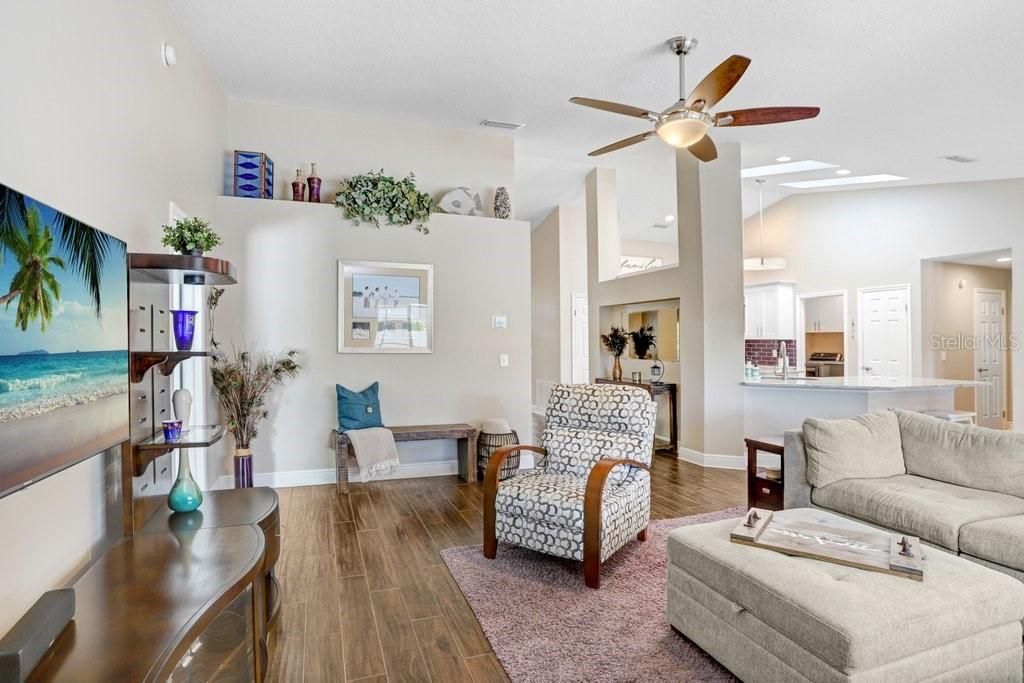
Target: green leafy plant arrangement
x=373, y=197
x=190, y=235
x=615, y=341
x=643, y=340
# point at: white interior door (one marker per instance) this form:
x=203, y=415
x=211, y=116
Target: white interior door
x=580, y=341
x=884, y=316
x=989, y=328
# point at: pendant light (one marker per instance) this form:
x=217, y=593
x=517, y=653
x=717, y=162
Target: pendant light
x=763, y=262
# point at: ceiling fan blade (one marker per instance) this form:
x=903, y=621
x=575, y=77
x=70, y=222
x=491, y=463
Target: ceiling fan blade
x=718, y=83
x=704, y=149
x=621, y=143
x=763, y=115
x=614, y=107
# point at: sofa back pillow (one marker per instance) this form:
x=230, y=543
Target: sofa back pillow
x=864, y=447
x=358, y=409
x=976, y=457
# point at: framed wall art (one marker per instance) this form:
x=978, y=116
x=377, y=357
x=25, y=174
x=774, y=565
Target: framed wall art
x=385, y=307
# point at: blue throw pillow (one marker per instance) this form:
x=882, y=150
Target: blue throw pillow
x=358, y=409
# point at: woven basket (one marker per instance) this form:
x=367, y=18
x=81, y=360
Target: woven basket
x=487, y=444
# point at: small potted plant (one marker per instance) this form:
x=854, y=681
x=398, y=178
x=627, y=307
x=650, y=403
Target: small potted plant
x=643, y=340
x=615, y=343
x=190, y=236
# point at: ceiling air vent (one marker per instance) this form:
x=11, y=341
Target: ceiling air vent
x=958, y=158
x=504, y=125
x=660, y=226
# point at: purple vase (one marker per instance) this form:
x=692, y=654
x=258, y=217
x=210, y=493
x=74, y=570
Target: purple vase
x=184, y=323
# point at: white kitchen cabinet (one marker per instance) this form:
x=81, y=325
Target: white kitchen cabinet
x=824, y=314
x=769, y=311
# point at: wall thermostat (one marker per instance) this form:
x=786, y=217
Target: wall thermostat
x=499, y=322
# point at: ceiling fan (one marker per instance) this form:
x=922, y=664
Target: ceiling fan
x=687, y=122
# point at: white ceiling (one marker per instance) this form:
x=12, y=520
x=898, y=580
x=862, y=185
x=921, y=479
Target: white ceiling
x=985, y=258
x=899, y=83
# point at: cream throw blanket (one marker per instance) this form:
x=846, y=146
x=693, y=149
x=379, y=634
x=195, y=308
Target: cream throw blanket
x=375, y=451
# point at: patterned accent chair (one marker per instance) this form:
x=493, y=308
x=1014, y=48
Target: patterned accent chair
x=589, y=492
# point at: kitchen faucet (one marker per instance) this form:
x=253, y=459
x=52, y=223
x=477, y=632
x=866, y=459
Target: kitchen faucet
x=784, y=359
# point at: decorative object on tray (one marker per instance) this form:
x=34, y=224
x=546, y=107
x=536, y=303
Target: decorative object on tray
x=657, y=371
x=615, y=342
x=184, y=323
x=254, y=175
x=63, y=378
x=172, y=430
x=462, y=201
x=314, y=184
x=358, y=409
x=181, y=402
x=242, y=384
x=212, y=300
x=901, y=556
x=385, y=307
x=298, y=187
x=643, y=340
x=502, y=203
x=185, y=495
x=375, y=197
x=190, y=236
x=495, y=433
x=636, y=376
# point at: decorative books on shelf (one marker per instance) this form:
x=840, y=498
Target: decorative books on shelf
x=254, y=175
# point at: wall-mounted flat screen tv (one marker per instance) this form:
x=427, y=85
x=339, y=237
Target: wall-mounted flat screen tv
x=63, y=341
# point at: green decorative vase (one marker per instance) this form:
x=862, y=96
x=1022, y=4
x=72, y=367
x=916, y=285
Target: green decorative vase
x=185, y=495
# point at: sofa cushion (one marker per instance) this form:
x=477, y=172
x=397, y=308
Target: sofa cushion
x=996, y=540
x=859, y=447
x=850, y=618
x=932, y=510
x=981, y=458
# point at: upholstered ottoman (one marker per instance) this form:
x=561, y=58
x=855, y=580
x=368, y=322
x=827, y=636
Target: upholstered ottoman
x=771, y=617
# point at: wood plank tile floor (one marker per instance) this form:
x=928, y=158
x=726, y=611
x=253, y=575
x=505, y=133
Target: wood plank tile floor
x=366, y=596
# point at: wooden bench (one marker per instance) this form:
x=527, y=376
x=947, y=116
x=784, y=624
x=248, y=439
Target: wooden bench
x=463, y=433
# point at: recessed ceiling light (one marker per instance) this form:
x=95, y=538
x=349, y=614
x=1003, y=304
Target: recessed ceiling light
x=843, y=171
x=1004, y=259
x=849, y=180
x=669, y=218
x=791, y=167
x=783, y=158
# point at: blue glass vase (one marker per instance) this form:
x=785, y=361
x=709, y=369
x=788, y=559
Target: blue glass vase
x=184, y=323
x=185, y=495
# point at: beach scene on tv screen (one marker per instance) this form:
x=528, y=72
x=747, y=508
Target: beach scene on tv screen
x=63, y=330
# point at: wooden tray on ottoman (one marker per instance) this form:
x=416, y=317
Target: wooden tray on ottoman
x=860, y=547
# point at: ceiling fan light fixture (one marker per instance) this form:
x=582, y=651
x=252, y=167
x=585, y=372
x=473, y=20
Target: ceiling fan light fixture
x=683, y=128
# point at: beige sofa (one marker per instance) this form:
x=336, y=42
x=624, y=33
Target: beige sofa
x=957, y=487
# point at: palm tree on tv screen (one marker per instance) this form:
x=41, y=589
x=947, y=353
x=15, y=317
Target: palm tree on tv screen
x=35, y=285
x=87, y=248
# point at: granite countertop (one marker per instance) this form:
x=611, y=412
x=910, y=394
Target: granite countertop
x=856, y=383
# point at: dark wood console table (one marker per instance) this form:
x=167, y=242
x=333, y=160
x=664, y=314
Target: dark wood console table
x=655, y=390
x=762, y=491
x=233, y=507
x=176, y=604
x=463, y=433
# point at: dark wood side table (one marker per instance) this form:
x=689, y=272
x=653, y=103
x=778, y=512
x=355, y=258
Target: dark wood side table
x=227, y=508
x=656, y=389
x=763, y=492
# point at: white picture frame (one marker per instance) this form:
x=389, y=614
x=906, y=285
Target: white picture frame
x=385, y=307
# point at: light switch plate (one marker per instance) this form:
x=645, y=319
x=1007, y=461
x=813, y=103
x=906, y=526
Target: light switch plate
x=503, y=360
x=499, y=322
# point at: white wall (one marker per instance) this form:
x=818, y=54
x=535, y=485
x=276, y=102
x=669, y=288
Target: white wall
x=98, y=128
x=865, y=238
x=286, y=254
x=346, y=144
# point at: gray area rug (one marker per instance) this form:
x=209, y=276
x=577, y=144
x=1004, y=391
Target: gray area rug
x=545, y=625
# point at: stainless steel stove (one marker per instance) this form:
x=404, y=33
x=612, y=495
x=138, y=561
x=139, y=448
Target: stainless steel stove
x=825, y=364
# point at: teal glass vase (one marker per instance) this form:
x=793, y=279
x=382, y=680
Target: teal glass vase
x=185, y=495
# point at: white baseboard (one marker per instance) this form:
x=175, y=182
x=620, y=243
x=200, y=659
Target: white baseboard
x=330, y=476
x=726, y=462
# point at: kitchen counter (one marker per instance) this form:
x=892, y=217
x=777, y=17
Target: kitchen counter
x=856, y=383
x=771, y=405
